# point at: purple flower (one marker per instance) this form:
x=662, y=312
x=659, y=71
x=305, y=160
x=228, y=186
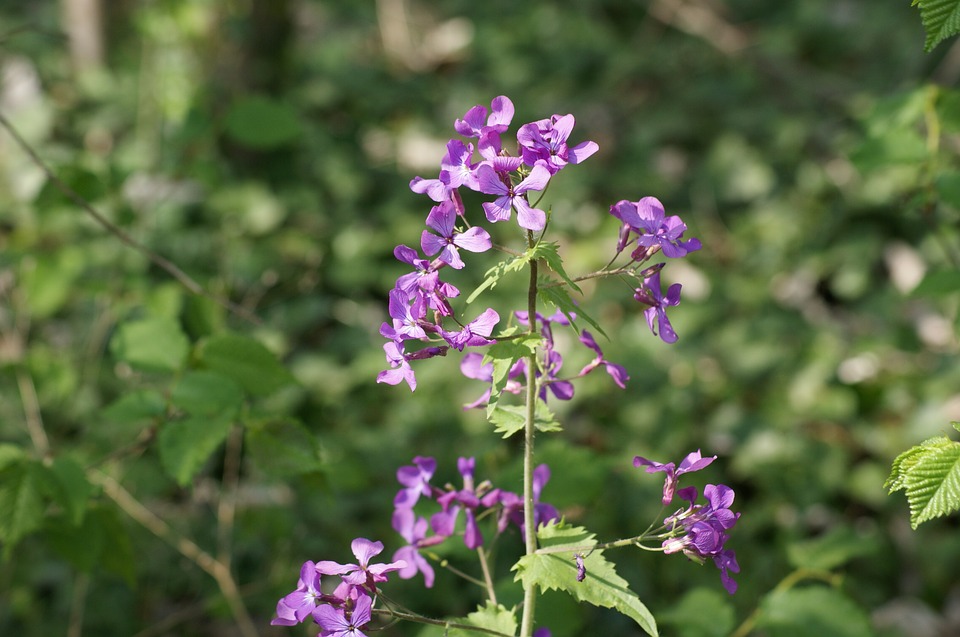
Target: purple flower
x=444, y=523
x=475, y=122
x=475, y=333
x=442, y=219
x=692, y=462
x=546, y=140
x=413, y=529
x=456, y=169
x=295, y=607
x=648, y=219
x=656, y=315
x=437, y=189
x=423, y=277
x=513, y=503
x=415, y=480
x=471, y=366
x=407, y=317
x=340, y=622
x=727, y=561
x=617, y=372
x=362, y=573
x=400, y=368
x=512, y=197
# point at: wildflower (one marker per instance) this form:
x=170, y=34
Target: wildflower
x=415, y=480
x=471, y=367
x=656, y=315
x=648, y=219
x=400, y=369
x=473, y=125
x=692, y=462
x=341, y=622
x=617, y=372
x=546, y=140
x=295, y=607
x=475, y=333
x=362, y=573
x=512, y=197
x=413, y=529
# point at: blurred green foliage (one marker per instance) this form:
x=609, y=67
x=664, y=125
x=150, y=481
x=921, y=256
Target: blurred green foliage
x=265, y=147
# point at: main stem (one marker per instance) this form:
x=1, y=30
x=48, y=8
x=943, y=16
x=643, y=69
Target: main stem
x=529, y=526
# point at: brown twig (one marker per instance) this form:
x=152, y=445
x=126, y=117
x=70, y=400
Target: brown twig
x=169, y=267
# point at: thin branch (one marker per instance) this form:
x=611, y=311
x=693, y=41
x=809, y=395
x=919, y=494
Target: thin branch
x=31, y=412
x=213, y=567
x=227, y=504
x=169, y=267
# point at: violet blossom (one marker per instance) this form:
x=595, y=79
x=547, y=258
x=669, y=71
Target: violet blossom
x=512, y=197
x=656, y=315
x=546, y=140
x=648, y=219
x=692, y=462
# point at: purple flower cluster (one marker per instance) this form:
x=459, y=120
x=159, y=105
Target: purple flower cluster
x=700, y=530
x=348, y=608
x=419, y=303
x=474, y=499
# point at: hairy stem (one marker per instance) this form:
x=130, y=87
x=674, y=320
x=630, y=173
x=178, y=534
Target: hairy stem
x=529, y=527
x=487, y=579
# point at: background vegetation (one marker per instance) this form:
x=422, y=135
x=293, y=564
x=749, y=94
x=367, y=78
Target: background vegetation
x=265, y=148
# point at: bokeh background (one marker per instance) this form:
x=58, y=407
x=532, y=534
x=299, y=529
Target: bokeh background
x=265, y=147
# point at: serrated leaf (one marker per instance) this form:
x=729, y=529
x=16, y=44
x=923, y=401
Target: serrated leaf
x=21, y=501
x=490, y=616
x=906, y=460
x=283, y=449
x=549, y=251
x=559, y=298
x=207, y=393
x=497, y=272
x=601, y=587
x=509, y=419
x=941, y=19
x=816, y=610
x=186, y=444
x=703, y=612
x=504, y=354
x=932, y=484
x=246, y=361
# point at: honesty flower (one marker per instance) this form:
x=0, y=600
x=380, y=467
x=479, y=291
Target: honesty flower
x=400, y=369
x=546, y=140
x=475, y=333
x=617, y=372
x=512, y=197
x=340, y=622
x=362, y=573
x=415, y=480
x=295, y=607
x=692, y=462
x=473, y=124
x=413, y=529
x=443, y=219
x=648, y=219
x=656, y=315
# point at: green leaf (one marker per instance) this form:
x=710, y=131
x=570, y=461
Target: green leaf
x=938, y=283
x=491, y=616
x=509, y=419
x=497, y=272
x=206, y=393
x=21, y=501
x=932, y=483
x=941, y=19
x=283, y=449
x=504, y=354
x=11, y=454
x=73, y=490
x=135, y=407
x=186, y=444
x=831, y=550
x=80, y=544
x=549, y=251
x=260, y=122
x=703, y=612
x=151, y=344
x=816, y=610
x=559, y=298
x=601, y=587
x=246, y=361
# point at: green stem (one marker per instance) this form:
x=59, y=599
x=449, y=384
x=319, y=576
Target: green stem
x=530, y=530
x=487, y=579
x=435, y=622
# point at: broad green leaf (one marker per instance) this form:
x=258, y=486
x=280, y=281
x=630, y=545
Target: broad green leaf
x=601, y=587
x=11, y=454
x=938, y=283
x=815, y=610
x=283, y=449
x=118, y=558
x=941, y=19
x=49, y=280
x=260, y=122
x=185, y=445
x=135, y=407
x=560, y=299
x=491, y=616
x=509, y=419
x=21, y=501
x=831, y=550
x=504, y=354
x=80, y=544
x=703, y=612
x=497, y=272
x=246, y=361
x=932, y=483
x=206, y=393
x=152, y=344
x=73, y=490
x=906, y=460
